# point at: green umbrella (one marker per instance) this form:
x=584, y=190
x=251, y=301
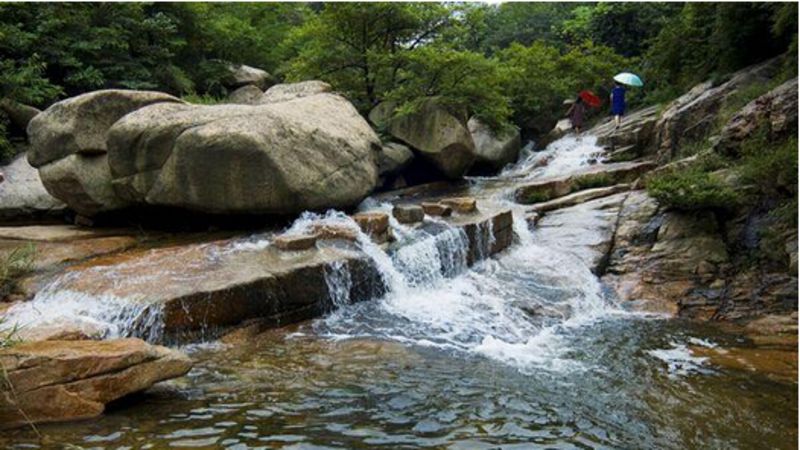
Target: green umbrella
x=629, y=79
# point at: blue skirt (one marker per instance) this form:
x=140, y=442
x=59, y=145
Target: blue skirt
x=617, y=110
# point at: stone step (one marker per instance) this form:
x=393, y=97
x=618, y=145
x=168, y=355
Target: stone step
x=578, y=197
x=600, y=175
x=68, y=380
x=185, y=293
x=622, y=154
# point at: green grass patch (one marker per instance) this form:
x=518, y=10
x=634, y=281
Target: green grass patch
x=529, y=198
x=15, y=264
x=692, y=189
x=772, y=167
x=593, y=180
x=204, y=99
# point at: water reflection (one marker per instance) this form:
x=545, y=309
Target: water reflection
x=303, y=391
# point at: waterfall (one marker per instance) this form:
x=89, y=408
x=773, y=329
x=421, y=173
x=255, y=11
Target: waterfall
x=339, y=282
x=101, y=316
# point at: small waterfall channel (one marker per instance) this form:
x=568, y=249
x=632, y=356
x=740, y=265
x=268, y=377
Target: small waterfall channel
x=520, y=349
x=511, y=308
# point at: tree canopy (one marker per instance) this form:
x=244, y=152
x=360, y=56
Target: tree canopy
x=508, y=63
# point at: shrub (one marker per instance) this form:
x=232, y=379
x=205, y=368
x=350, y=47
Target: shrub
x=204, y=99
x=692, y=190
x=16, y=263
x=772, y=167
x=592, y=181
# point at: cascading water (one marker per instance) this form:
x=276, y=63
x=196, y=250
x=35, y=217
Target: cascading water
x=562, y=157
x=516, y=308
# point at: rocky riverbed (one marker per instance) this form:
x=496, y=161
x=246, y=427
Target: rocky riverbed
x=557, y=269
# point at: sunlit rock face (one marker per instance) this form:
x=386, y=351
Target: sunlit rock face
x=68, y=380
x=302, y=148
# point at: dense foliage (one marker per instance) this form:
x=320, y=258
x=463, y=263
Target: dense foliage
x=507, y=63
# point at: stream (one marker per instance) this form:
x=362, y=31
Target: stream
x=526, y=349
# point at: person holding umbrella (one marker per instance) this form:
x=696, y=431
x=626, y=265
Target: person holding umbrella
x=577, y=111
x=617, y=103
x=618, y=94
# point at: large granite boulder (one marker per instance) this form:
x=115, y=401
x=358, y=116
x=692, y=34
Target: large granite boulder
x=68, y=380
x=494, y=149
x=438, y=136
x=312, y=152
x=776, y=110
x=19, y=114
x=243, y=75
x=304, y=149
x=693, y=115
x=393, y=158
x=83, y=182
x=22, y=194
x=292, y=91
x=245, y=95
x=79, y=124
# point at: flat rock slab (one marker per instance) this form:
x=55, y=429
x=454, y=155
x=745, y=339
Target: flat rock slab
x=49, y=253
x=599, y=175
x=436, y=209
x=408, y=213
x=186, y=291
x=52, y=233
x=69, y=380
x=586, y=230
x=579, y=197
x=463, y=205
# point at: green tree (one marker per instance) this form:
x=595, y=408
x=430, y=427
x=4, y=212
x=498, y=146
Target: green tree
x=463, y=81
x=358, y=47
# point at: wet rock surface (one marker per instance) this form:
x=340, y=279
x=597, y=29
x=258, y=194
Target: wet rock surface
x=494, y=149
x=23, y=197
x=586, y=229
x=439, y=137
x=599, y=175
x=110, y=150
x=775, y=110
x=68, y=380
x=693, y=115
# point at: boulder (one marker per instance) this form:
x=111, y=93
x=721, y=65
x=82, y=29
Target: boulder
x=243, y=75
x=20, y=115
x=436, y=209
x=69, y=380
x=372, y=223
x=291, y=91
x=22, y=194
x=312, y=152
x=438, y=136
x=560, y=130
x=79, y=124
x=693, y=115
x=776, y=110
x=393, y=158
x=494, y=149
x=245, y=95
x=408, y=213
x=294, y=242
x=83, y=182
x=462, y=205
x=382, y=113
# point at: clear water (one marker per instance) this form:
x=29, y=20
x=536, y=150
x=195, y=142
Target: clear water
x=523, y=350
